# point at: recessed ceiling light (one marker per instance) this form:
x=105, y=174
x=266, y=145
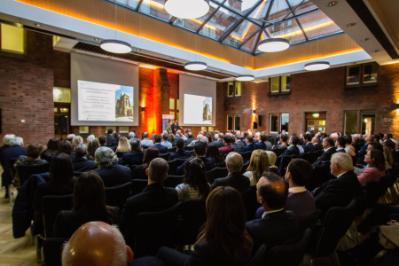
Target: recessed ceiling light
x=273, y=45
x=245, y=78
x=195, y=66
x=187, y=9
x=315, y=66
x=332, y=3
x=116, y=46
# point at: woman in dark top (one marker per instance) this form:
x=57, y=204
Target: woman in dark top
x=223, y=239
x=88, y=205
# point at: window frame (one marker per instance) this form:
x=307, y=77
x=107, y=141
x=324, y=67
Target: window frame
x=233, y=124
x=288, y=89
x=11, y=52
x=361, y=82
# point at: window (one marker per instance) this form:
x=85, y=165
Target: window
x=12, y=38
x=234, y=89
x=237, y=121
x=61, y=95
x=315, y=121
x=367, y=122
x=237, y=87
x=174, y=108
x=280, y=85
x=284, y=121
x=366, y=74
x=350, y=122
x=230, y=89
x=274, y=123
x=233, y=122
x=229, y=122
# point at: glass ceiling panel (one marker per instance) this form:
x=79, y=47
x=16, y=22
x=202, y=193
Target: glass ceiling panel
x=317, y=25
x=155, y=9
x=238, y=23
x=222, y=20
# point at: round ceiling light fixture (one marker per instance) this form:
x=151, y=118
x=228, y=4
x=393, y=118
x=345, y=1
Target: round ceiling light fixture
x=316, y=66
x=116, y=46
x=187, y=9
x=273, y=45
x=195, y=66
x=245, y=78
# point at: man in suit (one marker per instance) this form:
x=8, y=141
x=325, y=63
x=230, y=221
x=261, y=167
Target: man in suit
x=154, y=198
x=277, y=225
x=180, y=152
x=325, y=157
x=80, y=162
x=109, y=170
x=135, y=156
x=250, y=145
x=158, y=145
x=110, y=138
x=235, y=178
x=292, y=149
x=308, y=146
x=340, y=144
x=264, y=143
x=339, y=191
x=200, y=149
x=228, y=144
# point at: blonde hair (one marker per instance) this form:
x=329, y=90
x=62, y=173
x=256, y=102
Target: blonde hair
x=272, y=158
x=123, y=145
x=258, y=163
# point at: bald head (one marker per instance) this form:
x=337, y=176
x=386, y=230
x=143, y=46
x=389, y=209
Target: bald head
x=271, y=191
x=96, y=244
x=234, y=162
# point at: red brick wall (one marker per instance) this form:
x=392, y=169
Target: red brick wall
x=318, y=92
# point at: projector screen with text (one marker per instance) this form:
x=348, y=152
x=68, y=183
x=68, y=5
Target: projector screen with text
x=104, y=91
x=197, y=101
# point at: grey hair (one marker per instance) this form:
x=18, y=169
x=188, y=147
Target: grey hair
x=105, y=157
x=131, y=135
x=9, y=139
x=90, y=138
x=234, y=162
x=343, y=160
x=19, y=141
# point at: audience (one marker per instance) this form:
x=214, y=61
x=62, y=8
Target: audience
x=194, y=184
x=200, y=149
x=51, y=150
x=258, y=164
x=123, y=147
x=112, y=173
x=340, y=144
x=88, y=205
x=375, y=167
x=328, y=150
x=134, y=156
x=32, y=157
x=180, y=152
x=92, y=146
x=235, y=178
x=111, y=141
x=146, y=142
x=80, y=162
x=165, y=141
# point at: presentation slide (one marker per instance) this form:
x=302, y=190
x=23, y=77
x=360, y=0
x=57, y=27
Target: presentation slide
x=105, y=102
x=197, y=109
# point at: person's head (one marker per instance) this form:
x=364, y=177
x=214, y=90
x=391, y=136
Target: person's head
x=52, y=144
x=33, y=151
x=135, y=145
x=180, y=144
x=294, y=140
x=298, y=172
x=90, y=138
x=250, y=139
x=272, y=157
x=370, y=139
x=105, y=157
x=110, y=131
x=92, y=146
x=375, y=145
x=123, y=145
x=96, y=244
x=81, y=150
x=315, y=140
x=308, y=137
x=234, y=162
x=102, y=140
x=348, y=139
x=340, y=163
x=271, y=191
x=200, y=148
x=9, y=139
x=131, y=135
x=375, y=158
x=283, y=138
x=145, y=135
x=195, y=176
x=77, y=140
x=70, y=137
x=89, y=193
x=65, y=146
x=157, y=171
x=157, y=138
x=19, y=141
x=165, y=136
x=61, y=169
x=328, y=143
x=150, y=154
x=340, y=142
x=212, y=151
x=263, y=137
x=258, y=163
x=225, y=224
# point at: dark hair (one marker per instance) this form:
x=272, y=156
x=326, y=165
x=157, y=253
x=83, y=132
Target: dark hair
x=80, y=150
x=228, y=139
x=212, y=151
x=150, y=154
x=377, y=146
x=390, y=144
x=180, y=144
x=195, y=176
x=284, y=137
x=377, y=159
x=348, y=139
x=301, y=170
x=341, y=141
x=157, y=138
x=92, y=146
x=102, y=140
x=200, y=148
x=89, y=195
x=110, y=131
x=165, y=136
x=158, y=170
x=329, y=141
x=250, y=138
x=33, y=151
x=263, y=137
x=135, y=145
x=294, y=140
x=52, y=144
x=61, y=169
x=274, y=194
x=65, y=146
x=308, y=137
x=225, y=224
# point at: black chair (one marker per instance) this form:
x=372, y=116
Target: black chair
x=173, y=180
x=138, y=185
x=250, y=202
x=138, y=171
x=117, y=195
x=25, y=171
x=154, y=230
x=283, y=161
x=191, y=217
x=174, y=164
x=52, y=250
x=216, y=172
x=164, y=156
x=51, y=205
x=288, y=254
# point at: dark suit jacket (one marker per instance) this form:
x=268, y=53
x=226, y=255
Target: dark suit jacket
x=153, y=198
x=237, y=181
x=308, y=147
x=132, y=158
x=274, y=228
x=111, y=141
x=115, y=175
x=160, y=147
x=290, y=151
x=324, y=158
x=340, y=150
x=8, y=156
x=249, y=147
x=337, y=192
x=179, y=154
x=83, y=165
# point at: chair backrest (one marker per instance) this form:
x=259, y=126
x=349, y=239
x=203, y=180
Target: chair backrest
x=25, y=171
x=154, y=230
x=164, y=155
x=174, y=164
x=138, y=185
x=246, y=156
x=216, y=172
x=336, y=223
x=173, y=180
x=117, y=195
x=51, y=205
x=52, y=250
x=191, y=217
x=138, y=171
x=250, y=202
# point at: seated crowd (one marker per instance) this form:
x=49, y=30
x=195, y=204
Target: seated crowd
x=258, y=191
